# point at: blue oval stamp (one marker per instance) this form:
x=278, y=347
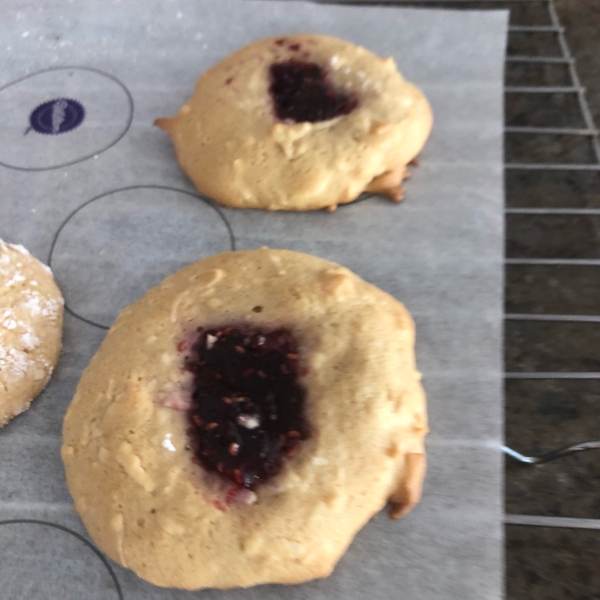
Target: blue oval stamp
x=56, y=116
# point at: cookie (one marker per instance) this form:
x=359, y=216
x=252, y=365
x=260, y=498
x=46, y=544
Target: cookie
x=244, y=419
x=31, y=313
x=298, y=123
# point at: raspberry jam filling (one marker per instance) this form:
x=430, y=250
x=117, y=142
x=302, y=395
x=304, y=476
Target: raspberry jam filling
x=247, y=411
x=301, y=92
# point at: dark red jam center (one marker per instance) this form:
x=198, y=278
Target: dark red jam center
x=301, y=92
x=247, y=410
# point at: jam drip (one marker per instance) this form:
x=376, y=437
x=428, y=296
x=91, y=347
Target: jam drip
x=301, y=92
x=247, y=410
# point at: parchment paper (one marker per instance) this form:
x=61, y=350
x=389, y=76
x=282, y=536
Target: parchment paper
x=440, y=252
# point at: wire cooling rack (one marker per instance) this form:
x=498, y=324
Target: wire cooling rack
x=590, y=135
x=536, y=43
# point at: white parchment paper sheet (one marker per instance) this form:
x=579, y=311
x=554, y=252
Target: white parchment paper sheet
x=440, y=252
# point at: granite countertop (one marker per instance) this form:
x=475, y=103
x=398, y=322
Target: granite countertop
x=553, y=563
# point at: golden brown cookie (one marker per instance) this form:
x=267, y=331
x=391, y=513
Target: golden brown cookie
x=244, y=419
x=299, y=123
x=31, y=312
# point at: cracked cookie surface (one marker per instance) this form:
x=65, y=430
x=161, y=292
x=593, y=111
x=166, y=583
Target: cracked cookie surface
x=31, y=313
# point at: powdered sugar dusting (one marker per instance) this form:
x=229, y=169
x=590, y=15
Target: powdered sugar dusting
x=17, y=363
x=18, y=248
x=29, y=340
x=39, y=304
x=9, y=323
x=16, y=278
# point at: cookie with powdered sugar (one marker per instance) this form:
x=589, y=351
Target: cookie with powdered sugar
x=31, y=314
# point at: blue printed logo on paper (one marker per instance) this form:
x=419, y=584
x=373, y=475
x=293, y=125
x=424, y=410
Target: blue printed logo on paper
x=56, y=116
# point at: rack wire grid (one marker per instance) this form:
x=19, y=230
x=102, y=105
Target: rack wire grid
x=537, y=44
